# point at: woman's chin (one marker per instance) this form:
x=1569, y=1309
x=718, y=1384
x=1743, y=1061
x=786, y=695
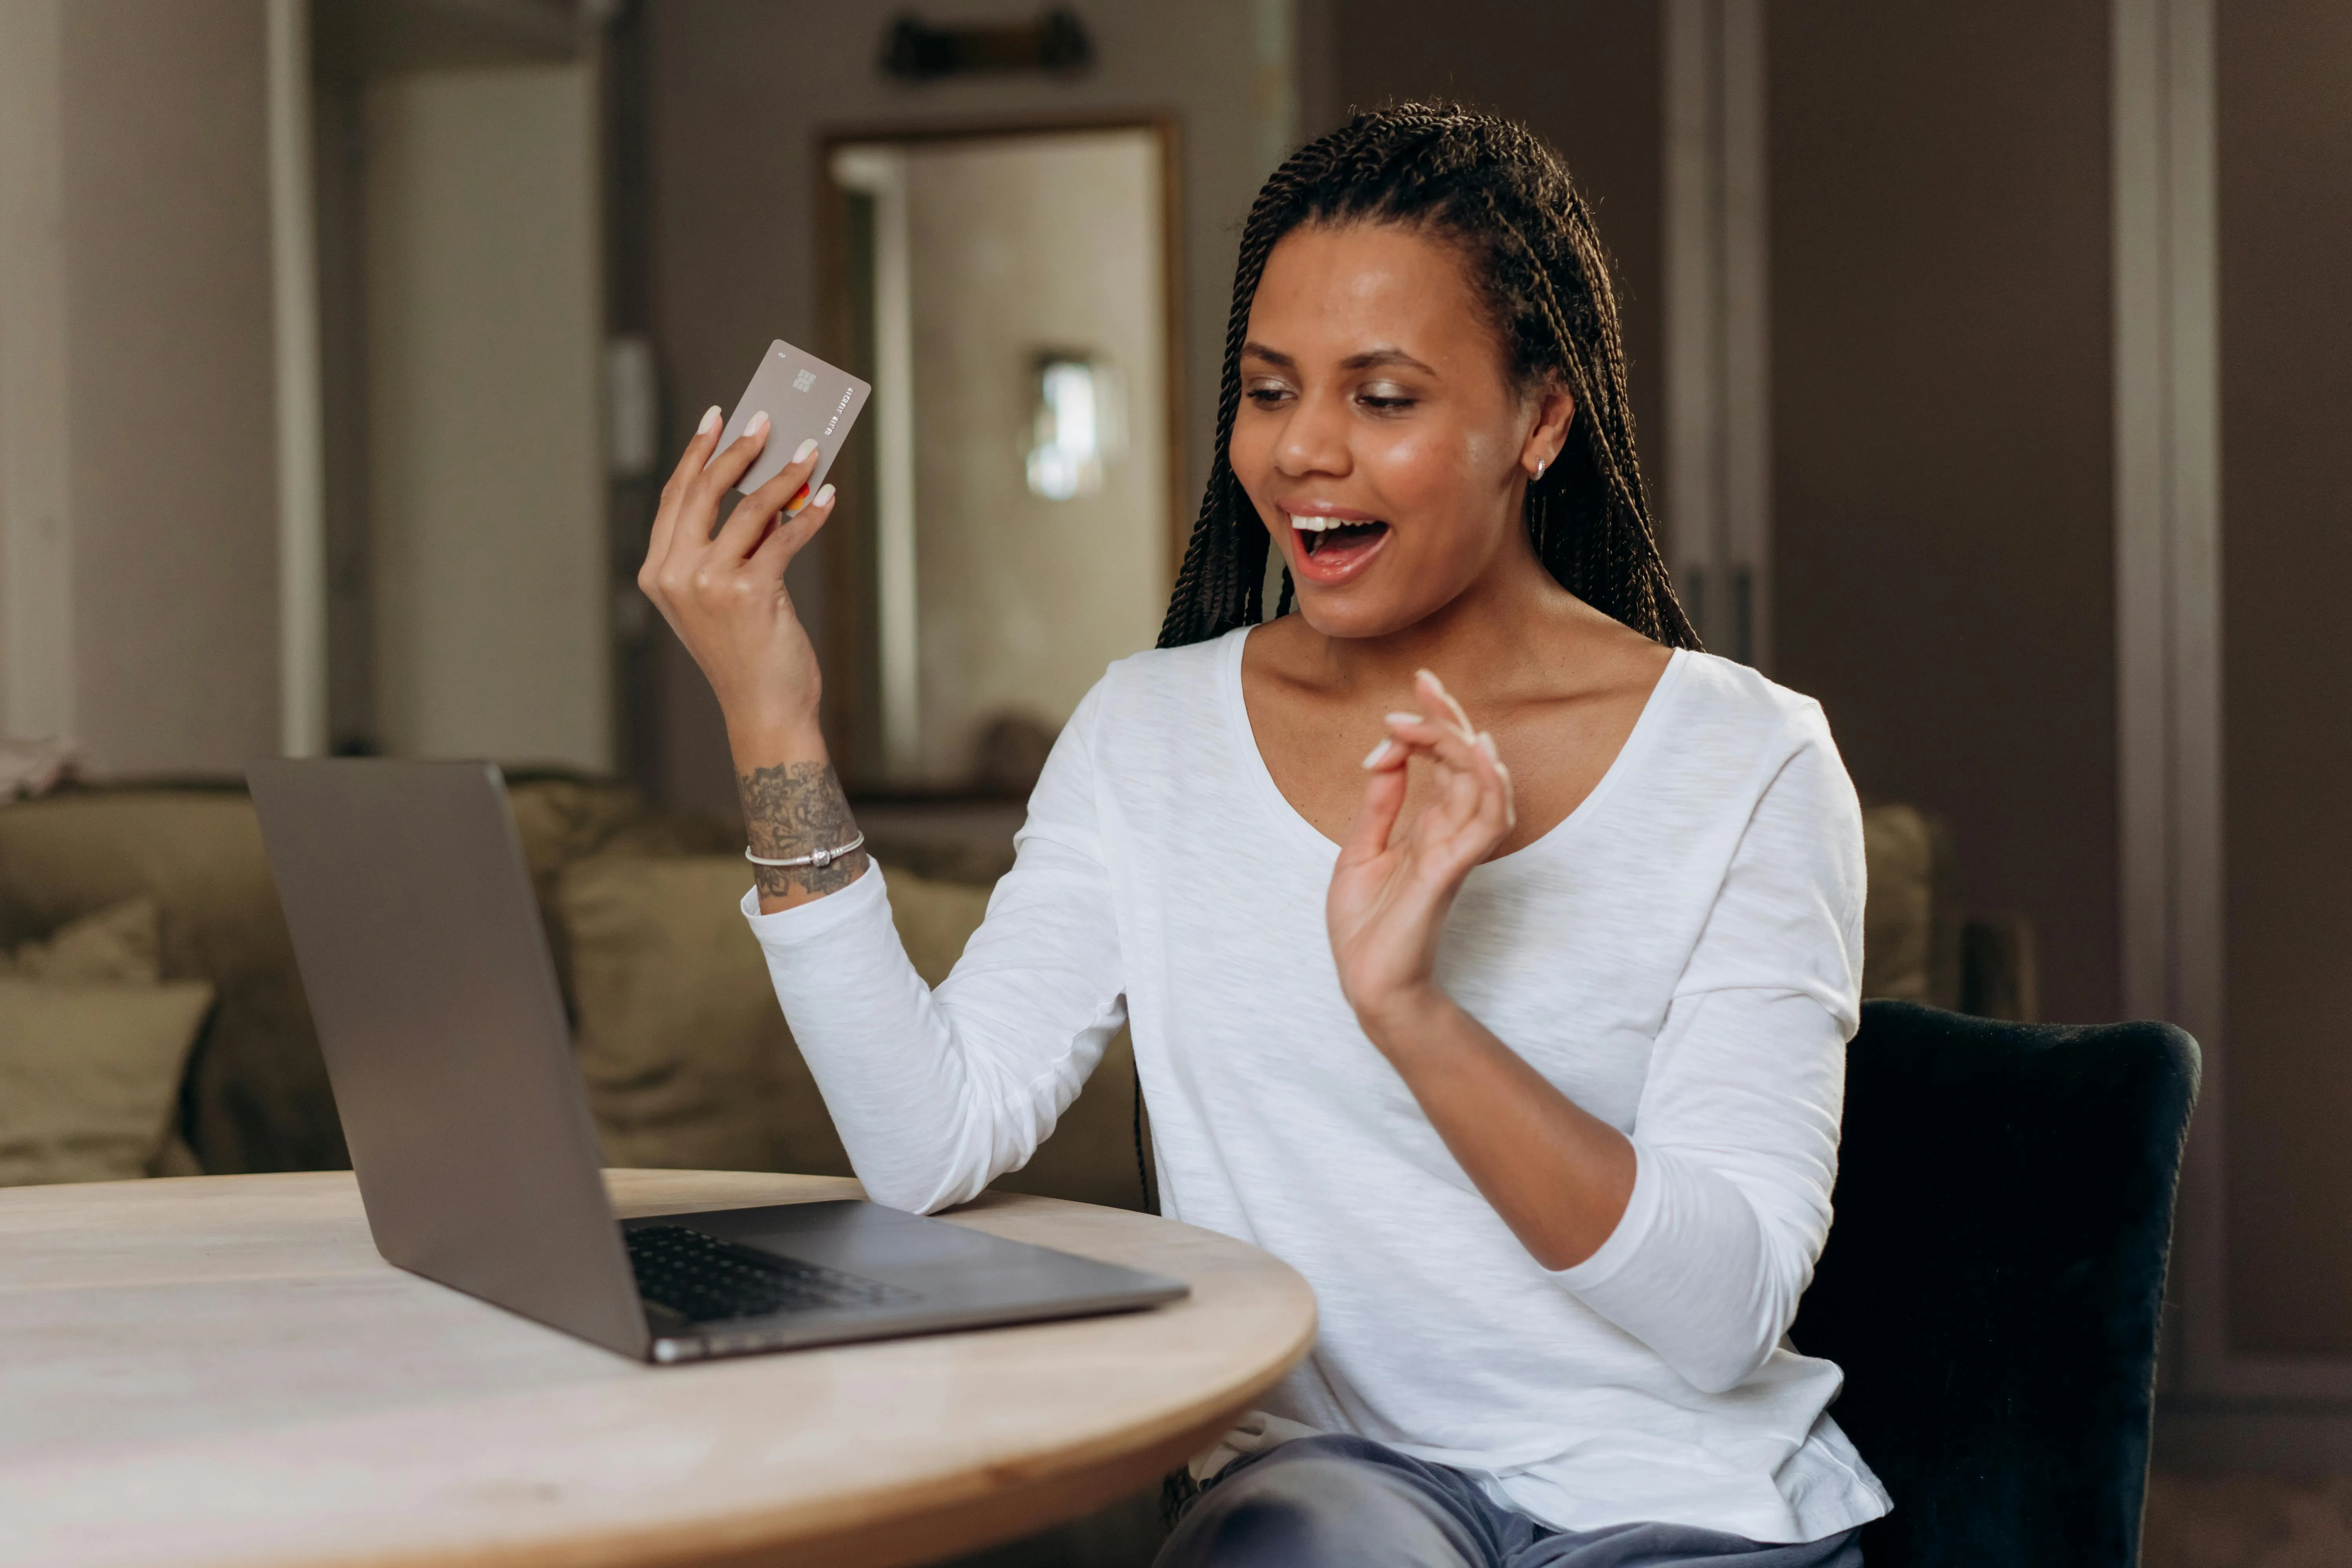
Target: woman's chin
x=1356, y=609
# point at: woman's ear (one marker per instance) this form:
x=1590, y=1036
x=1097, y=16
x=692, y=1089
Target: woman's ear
x=1554, y=411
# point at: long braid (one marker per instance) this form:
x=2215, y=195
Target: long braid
x=1495, y=188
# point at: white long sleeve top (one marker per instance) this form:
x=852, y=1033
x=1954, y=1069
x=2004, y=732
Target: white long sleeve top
x=1681, y=956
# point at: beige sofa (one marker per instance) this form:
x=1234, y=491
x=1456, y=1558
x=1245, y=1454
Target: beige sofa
x=686, y=1058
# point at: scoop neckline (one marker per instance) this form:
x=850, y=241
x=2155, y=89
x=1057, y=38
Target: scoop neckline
x=1637, y=741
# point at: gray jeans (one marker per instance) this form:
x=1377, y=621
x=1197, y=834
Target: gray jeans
x=1349, y=1502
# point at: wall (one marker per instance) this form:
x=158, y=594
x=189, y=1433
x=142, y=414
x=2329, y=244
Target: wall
x=1942, y=503
x=2284, y=146
x=35, y=533
x=486, y=496
x=1587, y=76
x=161, y=520
x=1018, y=246
x=175, y=432
x=740, y=92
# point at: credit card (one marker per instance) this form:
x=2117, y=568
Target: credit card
x=803, y=398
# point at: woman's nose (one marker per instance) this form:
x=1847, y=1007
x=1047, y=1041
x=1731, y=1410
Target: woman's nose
x=1314, y=439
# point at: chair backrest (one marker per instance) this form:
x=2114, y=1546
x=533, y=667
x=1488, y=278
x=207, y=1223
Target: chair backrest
x=1993, y=1281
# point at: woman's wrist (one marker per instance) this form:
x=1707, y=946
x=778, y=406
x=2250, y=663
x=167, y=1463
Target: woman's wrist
x=1407, y=1021
x=776, y=741
x=793, y=809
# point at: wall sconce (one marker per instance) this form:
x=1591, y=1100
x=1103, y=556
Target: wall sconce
x=1055, y=43
x=1076, y=425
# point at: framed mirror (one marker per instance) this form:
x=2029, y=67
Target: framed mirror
x=1010, y=519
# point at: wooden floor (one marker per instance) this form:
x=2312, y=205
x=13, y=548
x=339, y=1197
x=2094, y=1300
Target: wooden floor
x=2248, y=1521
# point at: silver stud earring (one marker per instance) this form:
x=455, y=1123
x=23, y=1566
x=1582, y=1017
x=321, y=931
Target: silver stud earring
x=1541, y=464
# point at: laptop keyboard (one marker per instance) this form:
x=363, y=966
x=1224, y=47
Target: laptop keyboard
x=708, y=1280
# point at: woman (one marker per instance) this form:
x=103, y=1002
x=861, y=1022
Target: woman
x=1522, y=1038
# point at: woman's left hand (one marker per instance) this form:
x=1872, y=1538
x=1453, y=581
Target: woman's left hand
x=1393, y=886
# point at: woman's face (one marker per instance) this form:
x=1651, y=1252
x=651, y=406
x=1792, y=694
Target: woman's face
x=1380, y=435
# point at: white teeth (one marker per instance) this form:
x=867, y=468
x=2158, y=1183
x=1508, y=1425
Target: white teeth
x=1309, y=524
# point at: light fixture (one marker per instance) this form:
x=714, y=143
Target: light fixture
x=1067, y=433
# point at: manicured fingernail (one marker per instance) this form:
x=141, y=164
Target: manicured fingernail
x=1406, y=719
x=1430, y=676
x=1379, y=755
x=801, y=455
x=759, y=426
x=710, y=422
x=823, y=497
x=1486, y=744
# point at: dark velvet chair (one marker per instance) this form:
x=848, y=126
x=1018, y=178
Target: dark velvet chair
x=1993, y=1281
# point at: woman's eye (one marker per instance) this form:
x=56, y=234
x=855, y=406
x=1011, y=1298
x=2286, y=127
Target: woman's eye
x=1384, y=402
x=1267, y=397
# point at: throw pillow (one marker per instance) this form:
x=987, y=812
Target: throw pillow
x=92, y=1047
x=685, y=1052
x=120, y=944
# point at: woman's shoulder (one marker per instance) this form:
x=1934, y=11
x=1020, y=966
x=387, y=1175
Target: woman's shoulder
x=1189, y=672
x=1162, y=690
x=1725, y=737
x=1738, y=706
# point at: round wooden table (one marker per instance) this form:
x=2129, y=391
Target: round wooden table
x=221, y=1370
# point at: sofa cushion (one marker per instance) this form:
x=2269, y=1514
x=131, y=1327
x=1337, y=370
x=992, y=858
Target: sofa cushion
x=685, y=1053
x=1911, y=919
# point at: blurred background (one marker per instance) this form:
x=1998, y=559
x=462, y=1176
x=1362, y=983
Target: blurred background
x=1991, y=364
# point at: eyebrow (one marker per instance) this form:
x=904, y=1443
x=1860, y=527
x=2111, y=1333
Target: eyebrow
x=1369, y=360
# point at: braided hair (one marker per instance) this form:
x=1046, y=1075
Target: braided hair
x=1494, y=189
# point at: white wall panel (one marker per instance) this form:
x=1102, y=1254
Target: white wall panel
x=486, y=498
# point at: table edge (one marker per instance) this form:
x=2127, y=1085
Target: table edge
x=895, y=1525
x=879, y=1529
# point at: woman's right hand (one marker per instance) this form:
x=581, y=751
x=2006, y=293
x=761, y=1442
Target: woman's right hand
x=724, y=595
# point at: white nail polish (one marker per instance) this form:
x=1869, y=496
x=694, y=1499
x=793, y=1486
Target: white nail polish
x=823, y=497
x=759, y=426
x=710, y=422
x=1486, y=744
x=801, y=455
x=1380, y=752
x=1406, y=719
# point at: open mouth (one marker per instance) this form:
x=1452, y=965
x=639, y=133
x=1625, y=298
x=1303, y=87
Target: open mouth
x=1332, y=549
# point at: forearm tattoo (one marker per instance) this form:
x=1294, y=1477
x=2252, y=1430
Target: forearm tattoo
x=794, y=809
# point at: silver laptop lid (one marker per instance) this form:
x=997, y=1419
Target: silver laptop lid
x=420, y=946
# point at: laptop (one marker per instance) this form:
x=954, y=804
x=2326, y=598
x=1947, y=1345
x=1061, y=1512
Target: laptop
x=420, y=944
